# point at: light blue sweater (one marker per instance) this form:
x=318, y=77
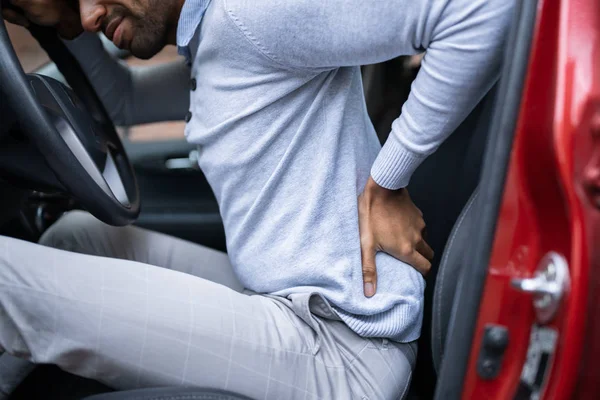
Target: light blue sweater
x=284, y=138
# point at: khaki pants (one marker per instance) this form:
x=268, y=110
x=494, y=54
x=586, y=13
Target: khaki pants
x=133, y=308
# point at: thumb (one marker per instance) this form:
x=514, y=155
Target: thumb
x=369, y=269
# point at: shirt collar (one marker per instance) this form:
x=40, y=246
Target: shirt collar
x=189, y=20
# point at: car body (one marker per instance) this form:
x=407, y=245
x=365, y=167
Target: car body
x=550, y=203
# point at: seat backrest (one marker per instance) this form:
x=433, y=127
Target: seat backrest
x=447, y=279
x=441, y=187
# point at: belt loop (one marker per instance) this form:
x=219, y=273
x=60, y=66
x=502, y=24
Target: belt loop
x=300, y=306
x=317, y=345
x=384, y=344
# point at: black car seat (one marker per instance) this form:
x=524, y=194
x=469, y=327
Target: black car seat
x=444, y=188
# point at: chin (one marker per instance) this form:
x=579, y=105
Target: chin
x=147, y=49
x=144, y=54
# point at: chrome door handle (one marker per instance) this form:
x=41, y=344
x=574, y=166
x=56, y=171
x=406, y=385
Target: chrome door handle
x=549, y=284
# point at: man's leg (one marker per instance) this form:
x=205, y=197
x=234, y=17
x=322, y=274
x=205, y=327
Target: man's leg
x=80, y=232
x=129, y=324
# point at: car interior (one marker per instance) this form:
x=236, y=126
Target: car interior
x=47, y=169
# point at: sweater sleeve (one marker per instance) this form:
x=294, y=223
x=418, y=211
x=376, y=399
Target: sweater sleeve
x=463, y=40
x=461, y=64
x=133, y=95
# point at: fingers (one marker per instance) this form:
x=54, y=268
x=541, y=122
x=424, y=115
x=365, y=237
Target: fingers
x=420, y=263
x=368, y=248
x=15, y=18
x=369, y=268
x=408, y=253
x=425, y=250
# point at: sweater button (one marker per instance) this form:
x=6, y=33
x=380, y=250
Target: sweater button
x=188, y=117
x=193, y=84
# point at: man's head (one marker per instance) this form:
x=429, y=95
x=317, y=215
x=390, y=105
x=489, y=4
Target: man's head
x=143, y=27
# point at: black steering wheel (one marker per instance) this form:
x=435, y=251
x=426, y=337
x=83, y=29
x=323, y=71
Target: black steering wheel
x=71, y=129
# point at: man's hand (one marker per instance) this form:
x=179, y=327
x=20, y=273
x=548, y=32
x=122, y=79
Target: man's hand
x=390, y=222
x=61, y=14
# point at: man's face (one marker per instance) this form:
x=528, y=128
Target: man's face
x=140, y=26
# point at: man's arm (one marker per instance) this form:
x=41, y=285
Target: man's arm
x=133, y=95
x=460, y=66
x=463, y=39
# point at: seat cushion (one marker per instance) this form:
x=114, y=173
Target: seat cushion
x=13, y=371
x=169, y=394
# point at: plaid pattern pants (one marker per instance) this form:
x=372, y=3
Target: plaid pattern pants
x=133, y=308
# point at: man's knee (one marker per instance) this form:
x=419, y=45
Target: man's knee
x=68, y=232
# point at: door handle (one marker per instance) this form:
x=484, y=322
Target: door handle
x=549, y=284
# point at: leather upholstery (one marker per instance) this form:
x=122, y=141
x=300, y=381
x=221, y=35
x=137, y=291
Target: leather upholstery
x=447, y=279
x=12, y=372
x=441, y=188
x=169, y=394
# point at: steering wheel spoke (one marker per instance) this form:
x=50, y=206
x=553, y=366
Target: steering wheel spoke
x=113, y=179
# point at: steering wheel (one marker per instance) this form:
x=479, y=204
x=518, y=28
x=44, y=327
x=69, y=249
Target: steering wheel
x=71, y=129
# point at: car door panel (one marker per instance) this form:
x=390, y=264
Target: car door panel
x=176, y=198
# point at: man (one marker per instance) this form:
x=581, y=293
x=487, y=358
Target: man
x=295, y=310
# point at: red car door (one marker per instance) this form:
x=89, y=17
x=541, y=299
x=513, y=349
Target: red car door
x=550, y=219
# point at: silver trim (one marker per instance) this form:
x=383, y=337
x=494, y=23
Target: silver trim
x=74, y=144
x=114, y=181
